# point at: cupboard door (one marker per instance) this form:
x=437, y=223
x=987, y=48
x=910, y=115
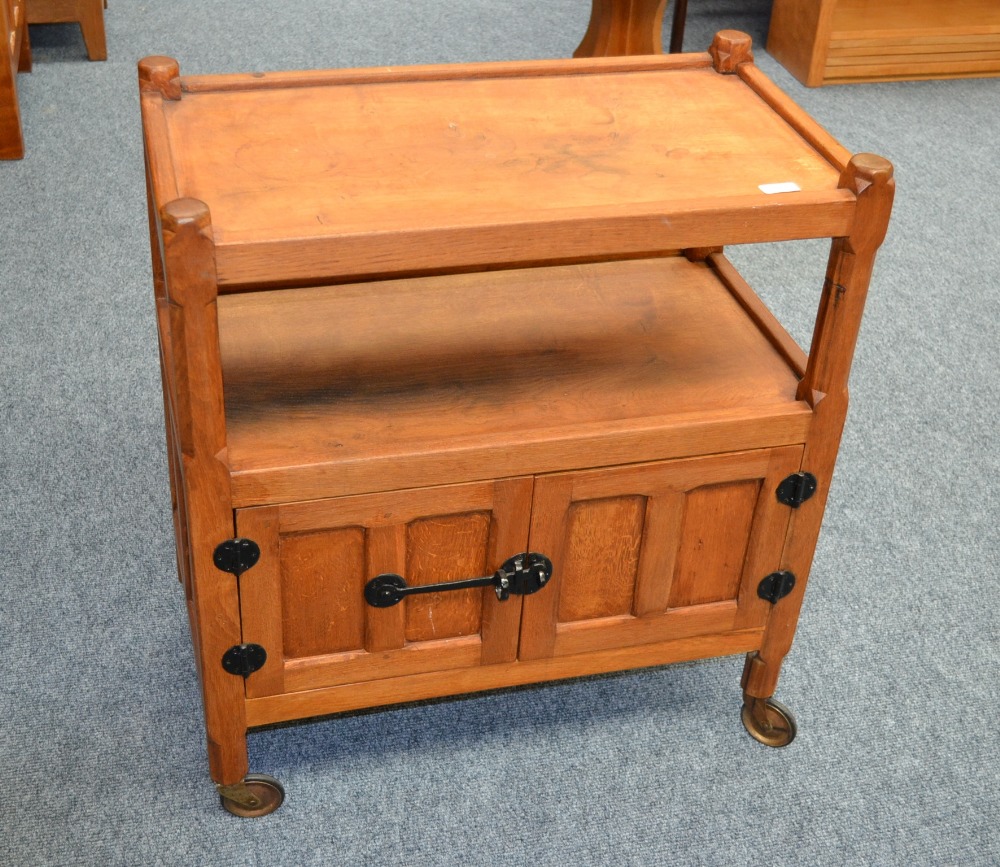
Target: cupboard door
x=303, y=601
x=653, y=552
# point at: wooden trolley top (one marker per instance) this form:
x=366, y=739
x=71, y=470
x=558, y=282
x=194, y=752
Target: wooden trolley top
x=325, y=176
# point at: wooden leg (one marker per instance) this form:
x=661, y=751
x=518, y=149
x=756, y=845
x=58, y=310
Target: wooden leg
x=89, y=14
x=620, y=27
x=760, y=675
x=677, y=29
x=824, y=387
x=190, y=284
x=11, y=138
x=24, y=55
x=92, y=25
x=189, y=269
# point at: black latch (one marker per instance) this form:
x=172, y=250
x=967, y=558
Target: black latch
x=521, y=575
x=236, y=555
x=776, y=586
x=796, y=489
x=244, y=659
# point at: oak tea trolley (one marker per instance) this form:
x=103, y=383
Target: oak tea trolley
x=461, y=391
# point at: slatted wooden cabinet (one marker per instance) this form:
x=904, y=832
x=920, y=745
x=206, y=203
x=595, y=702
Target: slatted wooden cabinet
x=839, y=41
x=475, y=325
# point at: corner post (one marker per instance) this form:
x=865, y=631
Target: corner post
x=159, y=74
x=729, y=49
x=824, y=387
x=848, y=273
x=194, y=377
x=154, y=73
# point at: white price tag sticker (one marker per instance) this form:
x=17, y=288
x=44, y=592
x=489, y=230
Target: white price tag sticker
x=786, y=187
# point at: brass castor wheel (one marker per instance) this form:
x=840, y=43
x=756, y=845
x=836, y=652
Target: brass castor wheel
x=256, y=795
x=768, y=721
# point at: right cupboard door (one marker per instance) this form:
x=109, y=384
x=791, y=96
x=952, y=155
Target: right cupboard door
x=655, y=552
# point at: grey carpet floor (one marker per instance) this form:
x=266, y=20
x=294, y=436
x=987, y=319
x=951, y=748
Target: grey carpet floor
x=894, y=674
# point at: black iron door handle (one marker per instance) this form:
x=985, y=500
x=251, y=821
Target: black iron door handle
x=521, y=575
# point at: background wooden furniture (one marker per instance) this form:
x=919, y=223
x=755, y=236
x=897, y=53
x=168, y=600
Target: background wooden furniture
x=620, y=27
x=15, y=56
x=430, y=322
x=89, y=14
x=833, y=41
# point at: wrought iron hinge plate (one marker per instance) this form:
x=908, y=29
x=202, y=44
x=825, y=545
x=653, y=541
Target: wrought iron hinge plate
x=244, y=659
x=796, y=489
x=236, y=555
x=776, y=586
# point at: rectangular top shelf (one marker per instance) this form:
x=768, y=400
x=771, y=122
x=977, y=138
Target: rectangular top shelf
x=313, y=176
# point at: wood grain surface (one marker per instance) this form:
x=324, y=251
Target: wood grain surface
x=374, y=172
x=460, y=366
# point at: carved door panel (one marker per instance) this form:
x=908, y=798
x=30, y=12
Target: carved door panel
x=304, y=600
x=655, y=552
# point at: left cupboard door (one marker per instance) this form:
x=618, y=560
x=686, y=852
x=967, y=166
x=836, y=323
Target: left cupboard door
x=303, y=601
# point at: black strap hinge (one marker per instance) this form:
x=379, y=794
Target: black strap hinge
x=796, y=489
x=236, y=555
x=776, y=586
x=244, y=659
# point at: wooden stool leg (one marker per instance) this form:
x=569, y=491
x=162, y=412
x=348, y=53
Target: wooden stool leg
x=92, y=25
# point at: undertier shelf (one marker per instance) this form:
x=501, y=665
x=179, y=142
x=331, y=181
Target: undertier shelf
x=401, y=383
